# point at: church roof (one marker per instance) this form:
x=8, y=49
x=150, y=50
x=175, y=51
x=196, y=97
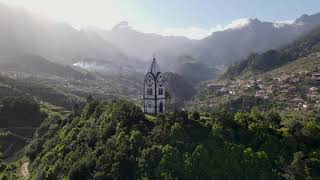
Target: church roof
x=154, y=68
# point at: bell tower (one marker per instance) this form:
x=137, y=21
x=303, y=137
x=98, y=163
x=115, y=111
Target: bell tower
x=154, y=90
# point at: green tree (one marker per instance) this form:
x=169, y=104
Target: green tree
x=297, y=166
x=200, y=159
x=195, y=115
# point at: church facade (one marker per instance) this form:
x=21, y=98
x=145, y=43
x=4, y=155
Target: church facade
x=154, y=90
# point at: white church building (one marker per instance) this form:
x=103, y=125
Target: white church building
x=154, y=90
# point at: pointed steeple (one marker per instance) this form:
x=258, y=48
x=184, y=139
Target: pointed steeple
x=154, y=90
x=154, y=68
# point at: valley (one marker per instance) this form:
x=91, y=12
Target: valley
x=241, y=103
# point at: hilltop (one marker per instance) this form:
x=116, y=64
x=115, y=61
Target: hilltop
x=71, y=102
x=115, y=140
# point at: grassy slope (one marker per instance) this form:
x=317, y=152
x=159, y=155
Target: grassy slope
x=14, y=139
x=309, y=63
x=40, y=90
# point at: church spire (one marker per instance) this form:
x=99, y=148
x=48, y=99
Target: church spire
x=154, y=90
x=154, y=68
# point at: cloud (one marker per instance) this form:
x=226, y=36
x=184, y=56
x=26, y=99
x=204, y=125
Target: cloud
x=78, y=13
x=190, y=32
x=285, y=22
x=193, y=32
x=281, y=24
x=200, y=33
x=238, y=24
x=106, y=14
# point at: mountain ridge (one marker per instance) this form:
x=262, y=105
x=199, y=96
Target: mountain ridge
x=257, y=63
x=235, y=42
x=26, y=33
x=60, y=42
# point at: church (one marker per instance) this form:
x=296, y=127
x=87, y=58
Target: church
x=154, y=90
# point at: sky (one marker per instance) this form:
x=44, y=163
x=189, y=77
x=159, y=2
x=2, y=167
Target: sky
x=192, y=18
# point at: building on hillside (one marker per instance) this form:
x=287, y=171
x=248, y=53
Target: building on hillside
x=154, y=90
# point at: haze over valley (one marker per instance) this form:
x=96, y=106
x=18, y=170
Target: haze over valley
x=137, y=90
x=123, y=46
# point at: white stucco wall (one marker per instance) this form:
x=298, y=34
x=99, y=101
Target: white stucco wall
x=146, y=86
x=149, y=109
x=150, y=101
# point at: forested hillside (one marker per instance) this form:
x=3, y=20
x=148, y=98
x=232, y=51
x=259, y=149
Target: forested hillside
x=259, y=63
x=44, y=90
x=37, y=65
x=286, y=80
x=20, y=116
x=71, y=100
x=179, y=87
x=293, y=87
x=195, y=71
x=114, y=140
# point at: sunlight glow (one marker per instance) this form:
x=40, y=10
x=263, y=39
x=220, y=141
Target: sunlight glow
x=78, y=13
x=105, y=14
x=102, y=14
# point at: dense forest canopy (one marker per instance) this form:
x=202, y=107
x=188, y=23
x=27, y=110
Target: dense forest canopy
x=70, y=102
x=19, y=111
x=115, y=140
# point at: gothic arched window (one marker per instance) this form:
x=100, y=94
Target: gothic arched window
x=149, y=81
x=160, y=91
x=149, y=91
x=160, y=81
x=161, y=107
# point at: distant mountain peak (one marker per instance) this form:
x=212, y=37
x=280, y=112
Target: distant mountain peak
x=244, y=22
x=254, y=21
x=122, y=25
x=308, y=19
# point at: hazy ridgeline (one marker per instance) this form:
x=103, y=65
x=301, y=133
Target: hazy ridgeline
x=241, y=103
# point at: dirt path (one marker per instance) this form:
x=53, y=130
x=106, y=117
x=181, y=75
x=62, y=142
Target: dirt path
x=25, y=170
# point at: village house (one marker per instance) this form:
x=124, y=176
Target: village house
x=315, y=77
x=313, y=90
